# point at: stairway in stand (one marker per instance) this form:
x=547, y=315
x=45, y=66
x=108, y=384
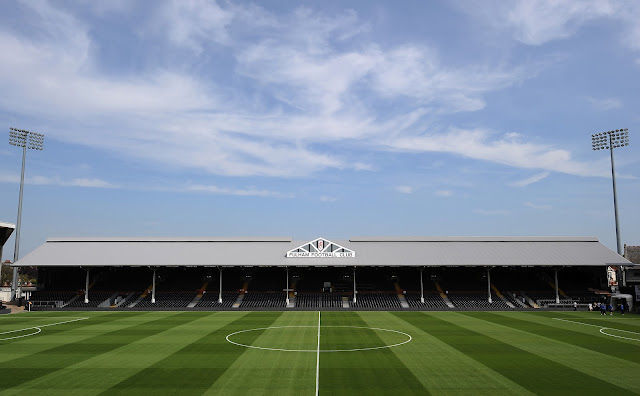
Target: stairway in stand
x=198, y=296
x=443, y=295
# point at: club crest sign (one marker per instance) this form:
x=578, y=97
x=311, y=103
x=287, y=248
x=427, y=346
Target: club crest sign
x=320, y=248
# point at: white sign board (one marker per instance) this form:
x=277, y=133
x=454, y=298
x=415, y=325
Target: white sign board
x=321, y=248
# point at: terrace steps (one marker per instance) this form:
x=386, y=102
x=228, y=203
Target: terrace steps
x=403, y=300
x=142, y=297
x=199, y=295
x=238, y=301
x=125, y=300
x=443, y=295
x=503, y=298
x=345, y=302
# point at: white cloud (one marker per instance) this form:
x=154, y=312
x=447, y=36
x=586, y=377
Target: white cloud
x=604, y=104
x=543, y=21
x=444, y=193
x=234, y=191
x=483, y=145
x=538, y=206
x=530, y=180
x=307, y=91
x=58, y=181
x=497, y=212
x=99, y=183
x=361, y=166
x=326, y=198
x=404, y=189
x=191, y=23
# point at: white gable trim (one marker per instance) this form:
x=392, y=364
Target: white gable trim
x=319, y=248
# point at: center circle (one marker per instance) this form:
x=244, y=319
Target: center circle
x=340, y=335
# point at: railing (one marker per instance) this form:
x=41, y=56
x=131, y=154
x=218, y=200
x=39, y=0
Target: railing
x=53, y=304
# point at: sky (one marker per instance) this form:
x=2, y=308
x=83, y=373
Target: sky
x=314, y=119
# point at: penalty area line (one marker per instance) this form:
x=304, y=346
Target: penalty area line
x=603, y=328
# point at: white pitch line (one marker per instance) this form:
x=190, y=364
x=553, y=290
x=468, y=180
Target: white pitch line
x=318, y=359
x=604, y=327
x=409, y=338
x=38, y=328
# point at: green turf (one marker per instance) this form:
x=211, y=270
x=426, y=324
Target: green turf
x=450, y=353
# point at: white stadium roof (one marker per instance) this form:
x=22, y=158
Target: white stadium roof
x=358, y=252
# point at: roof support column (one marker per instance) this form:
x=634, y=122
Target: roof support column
x=153, y=287
x=555, y=271
x=354, y=285
x=86, y=287
x=287, y=289
x=220, y=293
x=15, y=291
x=489, y=285
x=421, y=286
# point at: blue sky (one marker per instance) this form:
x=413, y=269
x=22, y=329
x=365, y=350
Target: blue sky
x=311, y=118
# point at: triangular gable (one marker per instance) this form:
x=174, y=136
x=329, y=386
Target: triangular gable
x=321, y=248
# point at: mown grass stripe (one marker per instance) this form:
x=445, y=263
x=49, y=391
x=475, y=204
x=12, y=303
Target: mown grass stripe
x=609, y=368
x=22, y=371
x=195, y=367
x=535, y=373
x=274, y=372
x=18, y=321
x=594, y=342
x=371, y=372
x=628, y=323
x=107, y=369
x=442, y=369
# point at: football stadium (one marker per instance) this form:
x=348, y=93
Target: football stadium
x=184, y=138
x=368, y=315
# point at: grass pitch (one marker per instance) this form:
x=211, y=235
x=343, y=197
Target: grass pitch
x=301, y=353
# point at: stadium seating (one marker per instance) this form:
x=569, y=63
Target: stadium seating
x=211, y=300
x=472, y=300
x=317, y=288
x=51, y=298
x=263, y=300
x=95, y=299
x=377, y=300
x=431, y=300
x=167, y=300
x=319, y=300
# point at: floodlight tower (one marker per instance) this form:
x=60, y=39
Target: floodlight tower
x=31, y=141
x=610, y=140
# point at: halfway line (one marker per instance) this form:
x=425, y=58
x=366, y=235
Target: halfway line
x=318, y=359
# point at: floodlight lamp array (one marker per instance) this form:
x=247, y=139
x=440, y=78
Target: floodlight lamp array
x=23, y=138
x=610, y=139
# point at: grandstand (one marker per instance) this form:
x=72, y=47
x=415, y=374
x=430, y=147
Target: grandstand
x=446, y=273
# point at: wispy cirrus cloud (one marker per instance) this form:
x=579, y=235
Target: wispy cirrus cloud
x=530, y=180
x=508, y=149
x=538, y=206
x=404, y=189
x=327, y=198
x=213, y=189
x=100, y=183
x=307, y=100
x=604, y=104
x=540, y=22
x=490, y=212
x=58, y=181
